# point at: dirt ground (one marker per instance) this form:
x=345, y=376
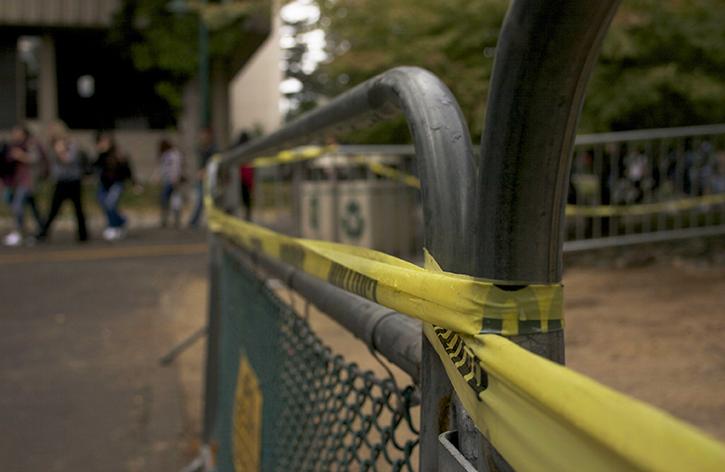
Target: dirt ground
x=655, y=333
x=651, y=327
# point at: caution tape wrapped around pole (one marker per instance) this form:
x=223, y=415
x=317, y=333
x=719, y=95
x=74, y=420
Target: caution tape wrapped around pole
x=539, y=415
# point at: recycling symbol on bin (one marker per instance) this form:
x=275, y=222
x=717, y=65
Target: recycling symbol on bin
x=352, y=221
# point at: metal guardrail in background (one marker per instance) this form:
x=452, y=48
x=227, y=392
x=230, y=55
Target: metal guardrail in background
x=627, y=187
x=647, y=186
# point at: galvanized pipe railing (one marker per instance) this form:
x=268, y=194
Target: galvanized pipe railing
x=440, y=135
x=445, y=167
x=504, y=220
x=544, y=57
x=392, y=334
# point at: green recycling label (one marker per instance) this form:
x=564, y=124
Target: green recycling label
x=353, y=223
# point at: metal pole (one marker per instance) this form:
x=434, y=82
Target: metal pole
x=446, y=169
x=203, y=68
x=211, y=376
x=545, y=55
x=394, y=335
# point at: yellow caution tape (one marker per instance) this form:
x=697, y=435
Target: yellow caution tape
x=645, y=208
x=539, y=415
x=389, y=172
x=461, y=303
x=544, y=417
x=294, y=155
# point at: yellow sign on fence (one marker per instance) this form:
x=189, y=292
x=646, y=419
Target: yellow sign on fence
x=247, y=430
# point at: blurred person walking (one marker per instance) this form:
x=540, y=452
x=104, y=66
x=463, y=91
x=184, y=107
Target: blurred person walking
x=246, y=179
x=23, y=157
x=113, y=169
x=67, y=170
x=207, y=148
x=171, y=170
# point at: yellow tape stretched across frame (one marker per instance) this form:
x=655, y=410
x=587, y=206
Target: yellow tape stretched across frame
x=539, y=415
x=462, y=303
x=295, y=155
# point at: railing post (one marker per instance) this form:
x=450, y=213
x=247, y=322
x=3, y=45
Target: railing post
x=211, y=375
x=298, y=176
x=545, y=55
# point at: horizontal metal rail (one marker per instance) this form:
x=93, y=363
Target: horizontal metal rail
x=394, y=335
x=379, y=149
x=648, y=134
x=643, y=238
x=442, y=148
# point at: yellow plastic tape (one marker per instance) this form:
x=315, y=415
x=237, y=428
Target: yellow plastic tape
x=389, y=172
x=645, y=208
x=461, y=303
x=294, y=155
x=539, y=415
x=544, y=417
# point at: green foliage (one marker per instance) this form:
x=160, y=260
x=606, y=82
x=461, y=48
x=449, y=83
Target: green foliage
x=454, y=39
x=159, y=43
x=662, y=64
x=165, y=44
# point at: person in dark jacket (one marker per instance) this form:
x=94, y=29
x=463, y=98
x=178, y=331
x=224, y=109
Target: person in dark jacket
x=114, y=170
x=24, y=155
x=67, y=170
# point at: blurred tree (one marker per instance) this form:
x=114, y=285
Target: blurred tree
x=162, y=43
x=662, y=64
x=455, y=40
x=298, y=66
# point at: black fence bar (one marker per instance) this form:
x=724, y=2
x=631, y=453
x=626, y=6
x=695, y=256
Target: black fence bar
x=394, y=335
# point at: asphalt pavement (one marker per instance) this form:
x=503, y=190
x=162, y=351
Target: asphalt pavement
x=81, y=332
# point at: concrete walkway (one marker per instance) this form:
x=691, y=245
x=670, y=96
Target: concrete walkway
x=81, y=331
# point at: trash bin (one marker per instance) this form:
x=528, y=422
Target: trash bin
x=342, y=201
x=377, y=214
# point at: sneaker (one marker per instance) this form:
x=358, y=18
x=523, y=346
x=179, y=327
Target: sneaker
x=109, y=233
x=117, y=234
x=13, y=239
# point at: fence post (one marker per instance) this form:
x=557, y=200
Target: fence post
x=544, y=58
x=298, y=171
x=211, y=375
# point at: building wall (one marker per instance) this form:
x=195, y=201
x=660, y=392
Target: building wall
x=254, y=91
x=8, y=82
x=72, y=13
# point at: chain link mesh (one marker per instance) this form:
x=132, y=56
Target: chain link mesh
x=320, y=412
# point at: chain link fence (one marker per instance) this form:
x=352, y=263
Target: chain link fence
x=319, y=411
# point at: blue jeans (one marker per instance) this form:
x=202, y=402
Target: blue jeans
x=17, y=198
x=109, y=199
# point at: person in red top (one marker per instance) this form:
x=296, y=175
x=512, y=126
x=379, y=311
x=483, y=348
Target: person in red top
x=246, y=177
